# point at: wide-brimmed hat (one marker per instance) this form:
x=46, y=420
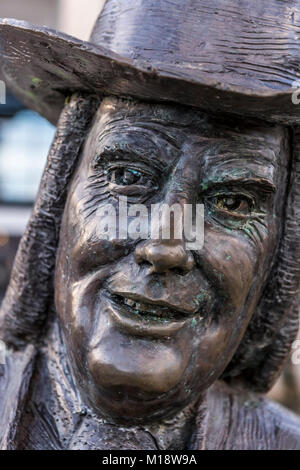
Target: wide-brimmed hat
x=223, y=55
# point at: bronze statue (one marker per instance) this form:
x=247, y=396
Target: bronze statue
x=143, y=344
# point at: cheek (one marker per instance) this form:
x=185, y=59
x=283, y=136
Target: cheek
x=89, y=247
x=216, y=348
x=233, y=262
x=85, y=260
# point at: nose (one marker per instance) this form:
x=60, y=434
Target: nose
x=165, y=255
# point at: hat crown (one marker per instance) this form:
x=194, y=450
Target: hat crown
x=155, y=29
x=250, y=44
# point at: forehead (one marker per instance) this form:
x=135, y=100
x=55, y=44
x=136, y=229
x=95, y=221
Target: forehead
x=168, y=131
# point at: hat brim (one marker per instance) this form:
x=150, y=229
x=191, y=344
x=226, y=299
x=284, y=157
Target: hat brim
x=42, y=67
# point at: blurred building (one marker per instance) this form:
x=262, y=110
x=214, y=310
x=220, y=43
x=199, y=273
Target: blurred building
x=74, y=17
x=35, y=11
x=24, y=142
x=77, y=17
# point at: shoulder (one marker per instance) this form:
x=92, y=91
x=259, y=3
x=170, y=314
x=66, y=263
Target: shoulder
x=238, y=419
x=286, y=425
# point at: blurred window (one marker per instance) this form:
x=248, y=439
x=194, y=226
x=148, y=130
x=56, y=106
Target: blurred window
x=24, y=144
x=25, y=139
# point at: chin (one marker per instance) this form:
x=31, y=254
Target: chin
x=139, y=396
x=136, y=380
x=138, y=369
x=128, y=405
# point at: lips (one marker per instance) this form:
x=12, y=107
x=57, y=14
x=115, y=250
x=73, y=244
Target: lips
x=144, y=319
x=149, y=311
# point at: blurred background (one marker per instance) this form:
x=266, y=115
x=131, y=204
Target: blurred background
x=25, y=139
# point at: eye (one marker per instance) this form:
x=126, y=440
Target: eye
x=134, y=183
x=239, y=204
x=128, y=177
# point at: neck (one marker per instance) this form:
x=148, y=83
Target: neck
x=178, y=432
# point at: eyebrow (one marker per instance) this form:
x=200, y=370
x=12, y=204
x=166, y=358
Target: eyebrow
x=123, y=151
x=259, y=155
x=251, y=165
x=264, y=184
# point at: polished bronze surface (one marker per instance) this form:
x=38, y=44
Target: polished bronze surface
x=151, y=356
x=142, y=343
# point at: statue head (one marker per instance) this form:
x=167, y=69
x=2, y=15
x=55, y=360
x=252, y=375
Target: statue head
x=148, y=323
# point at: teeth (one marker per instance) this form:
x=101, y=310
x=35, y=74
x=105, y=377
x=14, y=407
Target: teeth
x=137, y=305
x=140, y=307
x=148, y=309
x=130, y=302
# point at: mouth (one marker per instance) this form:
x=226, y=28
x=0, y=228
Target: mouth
x=149, y=312
x=144, y=319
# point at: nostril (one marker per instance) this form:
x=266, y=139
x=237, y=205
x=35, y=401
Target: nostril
x=145, y=264
x=162, y=257
x=179, y=271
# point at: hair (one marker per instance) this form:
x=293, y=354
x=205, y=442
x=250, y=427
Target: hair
x=29, y=297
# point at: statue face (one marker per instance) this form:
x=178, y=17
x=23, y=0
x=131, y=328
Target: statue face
x=149, y=325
